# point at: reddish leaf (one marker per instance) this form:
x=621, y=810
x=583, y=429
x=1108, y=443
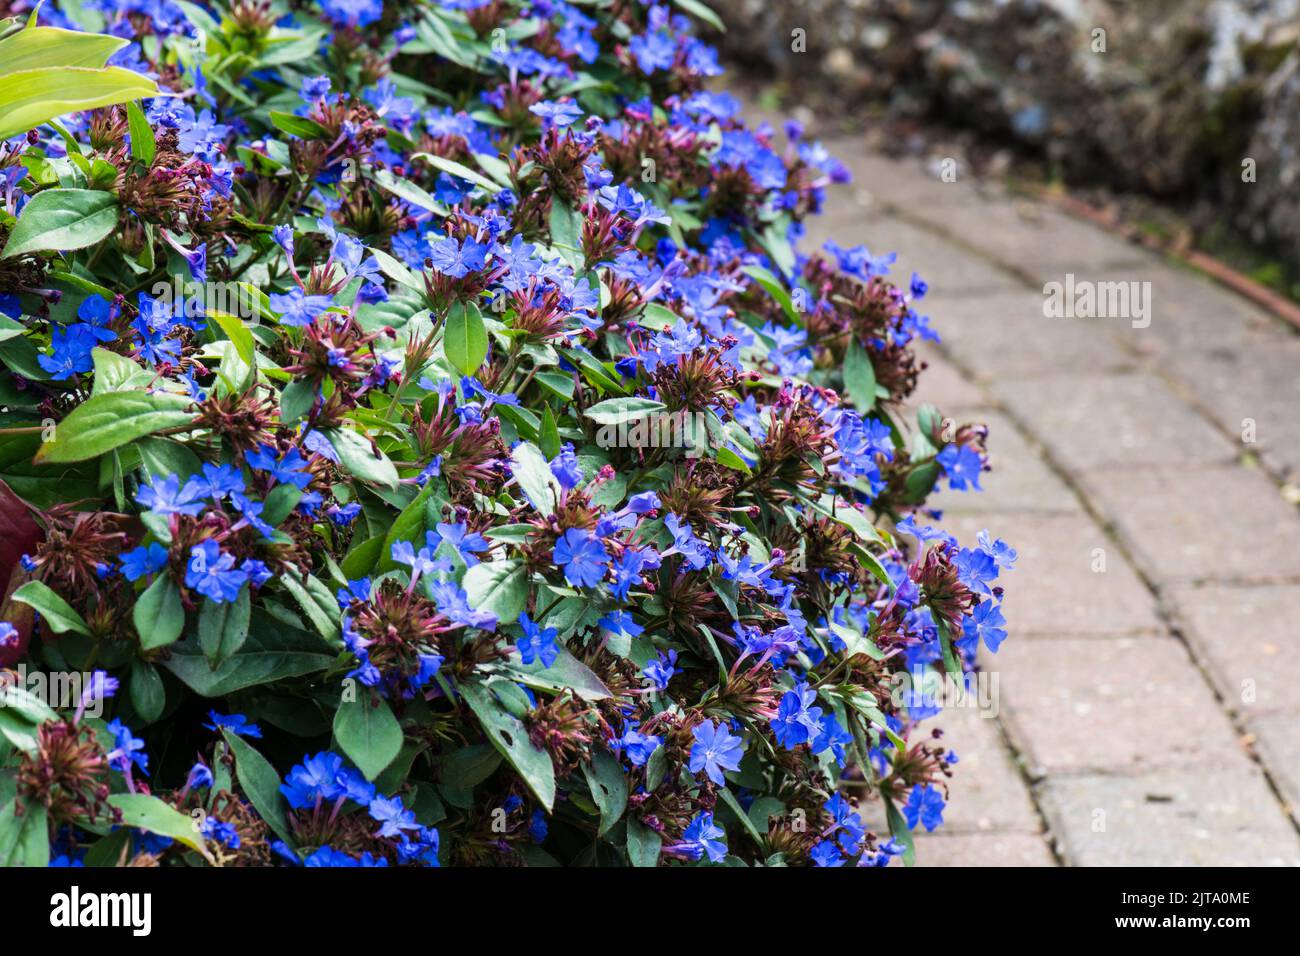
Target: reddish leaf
x=19, y=535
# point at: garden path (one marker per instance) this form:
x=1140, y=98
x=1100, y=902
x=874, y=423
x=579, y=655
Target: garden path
x=1146, y=468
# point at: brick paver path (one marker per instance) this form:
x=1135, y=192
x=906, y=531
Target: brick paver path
x=1149, y=696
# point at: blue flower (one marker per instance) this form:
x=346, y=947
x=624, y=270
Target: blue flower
x=314, y=88
x=555, y=113
x=797, y=720
x=143, y=560
x=696, y=554
x=826, y=853
x=987, y=623
x=393, y=818
x=999, y=550
x=235, y=723
x=467, y=543
x=213, y=574
x=661, y=670
x=537, y=827
x=626, y=571
x=962, y=466
x=702, y=838
x=454, y=603
x=292, y=468
x=582, y=556
x=297, y=308
x=127, y=749
x=925, y=804
x=975, y=569
x=283, y=234
x=98, y=313
x=200, y=777
x=536, y=643
x=316, y=778
x=169, y=498
x=644, y=503
x=832, y=736
x=225, y=833
x=621, y=622
x=636, y=745
x=565, y=467
x=715, y=750
x=219, y=481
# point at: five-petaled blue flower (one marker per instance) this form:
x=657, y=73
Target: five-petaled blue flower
x=715, y=749
x=582, y=556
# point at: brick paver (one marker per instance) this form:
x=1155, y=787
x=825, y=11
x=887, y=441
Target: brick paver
x=1169, y=818
x=1111, y=421
x=1070, y=578
x=1113, y=705
x=1147, y=708
x=1201, y=524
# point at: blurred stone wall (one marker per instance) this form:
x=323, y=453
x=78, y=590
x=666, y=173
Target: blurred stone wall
x=1167, y=96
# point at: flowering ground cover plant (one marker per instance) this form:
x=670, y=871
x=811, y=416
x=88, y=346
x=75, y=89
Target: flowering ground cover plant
x=424, y=442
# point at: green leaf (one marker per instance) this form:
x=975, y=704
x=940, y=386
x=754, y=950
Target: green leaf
x=409, y=525
x=459, y=170
x=62, y=220
x=297, y=399
x=115, y=373
x=776, y=290
x=860, y=377
x=59, y=615
x=363, y=557
x=608, y=786
x=320, y=619
x=145, y=812
x=565, y=673
x=566, y=232
x=549, y=435
x=359, y=459
x=621, y=411
x=368, y=733
x=643, y=844
x=299, y=126
x=497, y=587
x=238, y=334
x=108, y=421
x=698, y=9
x=147, y=693
x=729, y=458
x=144, y=145
x=273, y=651
x=158, y=615
x=900, y=831
x=223, y=628
x=533, y=473
x=24, y=838
x=733, y=804
x=469, y=766
x=261, y=784
x=51, y=46
x=405, y=189
x=508, y=734
x=29, y=98
x=17, y=731
x=465, y=339
x=21, y=702
x=950, y=662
